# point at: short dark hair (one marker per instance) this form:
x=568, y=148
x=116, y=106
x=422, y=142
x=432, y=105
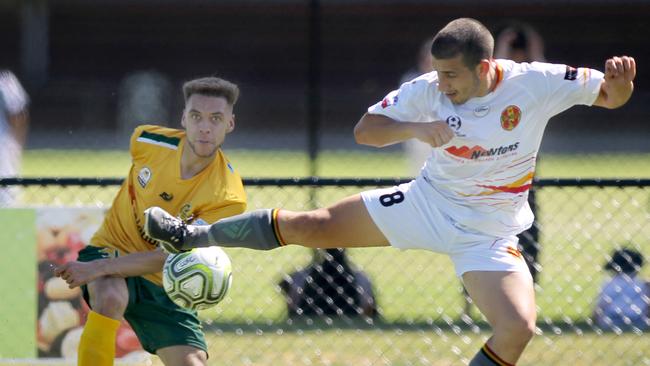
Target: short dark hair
x=464, y=36
x=213, y=87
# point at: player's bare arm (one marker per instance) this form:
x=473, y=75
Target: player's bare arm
x=137, y=264
x=379, y=131
x=617, y=86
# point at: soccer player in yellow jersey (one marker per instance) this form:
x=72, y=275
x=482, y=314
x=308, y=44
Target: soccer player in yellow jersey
x=185, y=172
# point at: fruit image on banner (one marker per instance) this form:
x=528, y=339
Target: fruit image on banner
x=61, y=311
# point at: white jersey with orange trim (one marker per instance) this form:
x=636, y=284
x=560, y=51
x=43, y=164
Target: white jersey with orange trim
x=484, y=173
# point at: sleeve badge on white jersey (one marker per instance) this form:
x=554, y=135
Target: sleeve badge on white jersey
x=389, y=101
x=571, y=73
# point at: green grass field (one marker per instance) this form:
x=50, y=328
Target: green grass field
x=282, y=163
x=419, y=296
x=406, y=348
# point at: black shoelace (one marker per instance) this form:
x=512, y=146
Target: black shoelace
x=177, y=228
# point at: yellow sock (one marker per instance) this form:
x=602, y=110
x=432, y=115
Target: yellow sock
x=97, y=344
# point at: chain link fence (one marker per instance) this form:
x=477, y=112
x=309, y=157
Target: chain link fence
x=325, y=62
x=383, y=306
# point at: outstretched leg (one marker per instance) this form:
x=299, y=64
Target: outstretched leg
x=345, y=224
x=507, y=299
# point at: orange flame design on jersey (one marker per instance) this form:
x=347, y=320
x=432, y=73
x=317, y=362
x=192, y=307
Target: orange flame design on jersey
x=520, y=185
x=465, y=152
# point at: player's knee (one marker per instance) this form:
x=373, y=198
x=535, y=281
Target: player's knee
x=110, y=302
x=517, y=328
x=198, y=358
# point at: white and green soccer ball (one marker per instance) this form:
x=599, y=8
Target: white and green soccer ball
x=197, y=279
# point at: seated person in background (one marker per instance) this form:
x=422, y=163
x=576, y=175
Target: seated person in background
x=624, y=300
x=329, y=286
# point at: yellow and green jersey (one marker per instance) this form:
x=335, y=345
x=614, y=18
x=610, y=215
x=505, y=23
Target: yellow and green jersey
x=155, y=180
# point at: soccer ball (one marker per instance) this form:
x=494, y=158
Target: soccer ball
x=197, y=279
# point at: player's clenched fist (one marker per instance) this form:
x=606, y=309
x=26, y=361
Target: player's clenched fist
x=622, y=68
x=617, y=85
x=435, y=134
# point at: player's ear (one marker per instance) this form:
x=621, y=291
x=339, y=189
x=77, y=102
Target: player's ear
x=231, y=124
x=483, y=67
x=183, y=120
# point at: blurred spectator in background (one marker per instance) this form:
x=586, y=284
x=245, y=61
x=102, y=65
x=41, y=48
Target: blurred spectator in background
x=329, y=286
x=417, y=151
x=144, y=97
x=14, y=122
x=624, y=300
x=423, y=62
x=520, y=42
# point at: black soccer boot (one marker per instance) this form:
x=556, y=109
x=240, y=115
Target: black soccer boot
x=170, y=232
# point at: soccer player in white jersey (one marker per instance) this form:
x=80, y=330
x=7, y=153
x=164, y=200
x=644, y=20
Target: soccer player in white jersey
x=484, y=120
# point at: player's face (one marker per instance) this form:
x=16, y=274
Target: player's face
x=458, y=82
x=207, y=120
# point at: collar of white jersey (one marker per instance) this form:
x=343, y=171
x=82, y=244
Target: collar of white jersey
x=487, y=97
x=499, y=74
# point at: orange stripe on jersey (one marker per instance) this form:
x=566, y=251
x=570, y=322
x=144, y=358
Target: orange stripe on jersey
x=586, y=76
x=499, y=75
x=507, y=189
x=518, y=186
x=522, y=162
x=493, y=356
x=514, y=252
x=276, y=228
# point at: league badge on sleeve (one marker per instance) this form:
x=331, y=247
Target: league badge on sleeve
x=510, y=117
x=144, y=176
x=388, y=101
x=571, y=73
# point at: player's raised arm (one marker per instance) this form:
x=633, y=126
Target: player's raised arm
x=399, y=116
x=617, y=86
x=379, y=131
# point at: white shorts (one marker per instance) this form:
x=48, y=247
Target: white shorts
x=410, y=219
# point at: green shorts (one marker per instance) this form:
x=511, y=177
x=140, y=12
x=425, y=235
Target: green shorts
x=157, y=321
